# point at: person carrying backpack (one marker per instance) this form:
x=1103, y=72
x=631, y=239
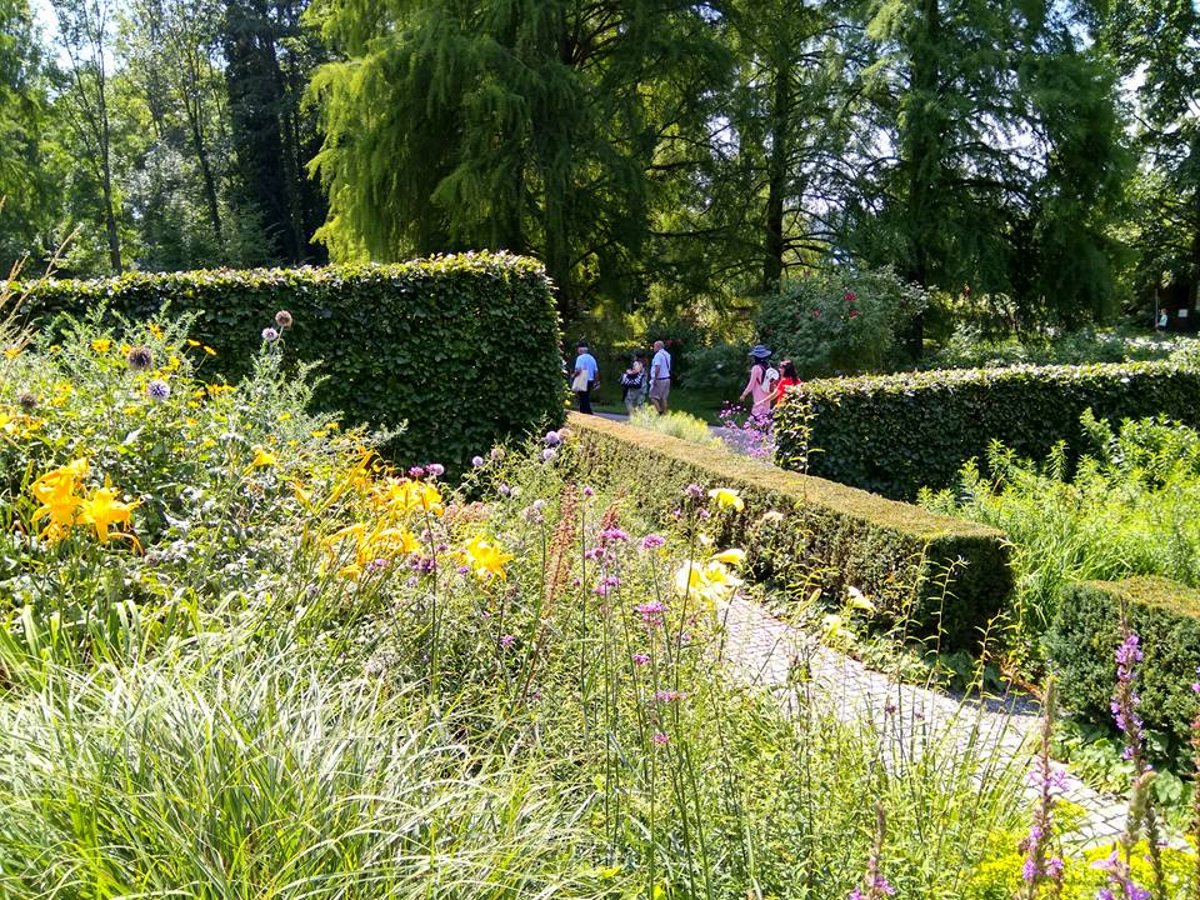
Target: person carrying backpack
x=763, y=379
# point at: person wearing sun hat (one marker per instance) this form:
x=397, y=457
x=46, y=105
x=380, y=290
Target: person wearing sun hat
x=761, y=385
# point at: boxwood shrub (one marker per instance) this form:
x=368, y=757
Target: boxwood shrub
x=462, y=348
x=894, y=434
x=1084, y=636
x=945, y=576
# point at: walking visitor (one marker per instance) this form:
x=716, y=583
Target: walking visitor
x=634, y=382
x=660, y=377
x=585, y=378
x=788, y=378
x=761, y=386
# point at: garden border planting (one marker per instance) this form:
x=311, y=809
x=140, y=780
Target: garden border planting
x=943, y=575
x=397, y=343
x=1086, y=632
x=894, y=434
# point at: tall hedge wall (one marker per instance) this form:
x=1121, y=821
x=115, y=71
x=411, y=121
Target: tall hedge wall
x=828, y=534
x=895, y=434
x=462, y=348
x=1083, y=640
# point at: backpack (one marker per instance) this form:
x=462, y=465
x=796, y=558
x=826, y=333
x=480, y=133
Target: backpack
x=770, y=377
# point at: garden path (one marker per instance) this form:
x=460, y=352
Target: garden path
x=766, y=651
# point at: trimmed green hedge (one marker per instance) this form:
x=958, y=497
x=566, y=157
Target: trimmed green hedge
x=894, y=434
x=833, y=535
x=1083, y=640
x=462, y=348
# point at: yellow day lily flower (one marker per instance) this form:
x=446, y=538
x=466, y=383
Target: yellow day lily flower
x=263, y=458
x=731, y=557
x=56, y=491
x=486, y=559
x=402, y=496
x=389, y=543
x=12, y=352
x=727, y=498
x=102, y=345
x=103, y=510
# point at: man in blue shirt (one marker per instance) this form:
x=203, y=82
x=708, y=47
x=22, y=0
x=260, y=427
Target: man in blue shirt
x=585, y=378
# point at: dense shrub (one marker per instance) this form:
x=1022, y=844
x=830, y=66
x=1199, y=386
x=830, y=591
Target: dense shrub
x=967, y=347
x=840, y=320
x=895, y=434
x=462, y=348
x=1086, y=633
x=837, y=537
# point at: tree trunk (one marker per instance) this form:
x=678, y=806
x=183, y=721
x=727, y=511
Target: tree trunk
x=110, y=215
x=924, y=140
x=777, y=178
x=210, y=183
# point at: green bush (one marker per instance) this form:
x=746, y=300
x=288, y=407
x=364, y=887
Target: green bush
x=1086, y=632
x=681, y=425
x=894, y=434
x=462, y=348
x=840, y=321
x=944, y=575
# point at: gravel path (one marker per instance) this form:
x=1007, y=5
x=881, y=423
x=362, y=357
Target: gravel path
x=766, y=651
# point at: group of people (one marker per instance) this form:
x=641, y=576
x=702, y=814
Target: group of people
x=767, y=385
x=651, y=381
x=639, y=383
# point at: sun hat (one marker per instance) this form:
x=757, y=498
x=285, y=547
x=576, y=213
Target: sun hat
x=760, y=352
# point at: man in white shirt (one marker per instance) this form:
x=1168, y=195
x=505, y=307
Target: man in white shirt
x=660, y=377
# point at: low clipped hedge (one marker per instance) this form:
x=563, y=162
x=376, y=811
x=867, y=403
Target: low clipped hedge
x=462, y=348
x=945, y=576
x=894, y=434
x=1083, y=640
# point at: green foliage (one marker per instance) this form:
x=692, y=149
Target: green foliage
x=462, y=349
x=946, y=576
x=244, y=707
x=1126, y=508
x=895, y=434
x=680, y=425
x=968, y=348
x=1086, y=633
x=840, y=320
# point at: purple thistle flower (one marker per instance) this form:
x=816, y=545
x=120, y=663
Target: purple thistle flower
x=552, y=439
x=548, y=454
x=435, y=470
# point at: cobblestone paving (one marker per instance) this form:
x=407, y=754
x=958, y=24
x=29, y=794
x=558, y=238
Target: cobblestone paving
x=764, y=650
